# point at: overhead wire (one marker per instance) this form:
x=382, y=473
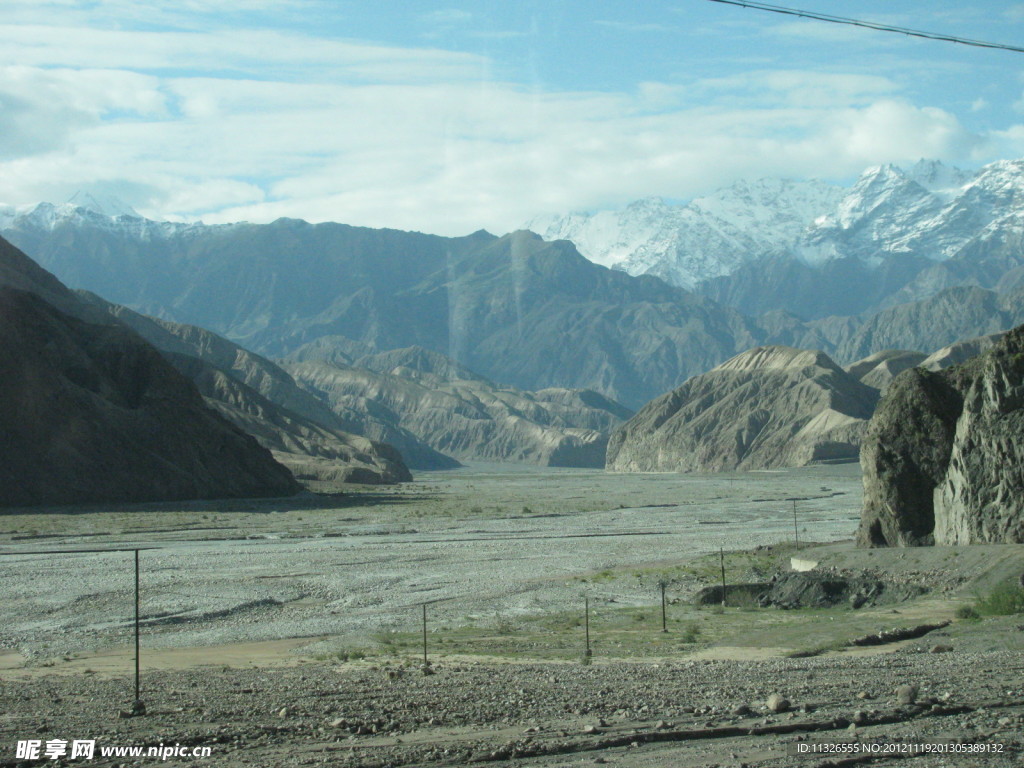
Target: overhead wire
x=869, y=25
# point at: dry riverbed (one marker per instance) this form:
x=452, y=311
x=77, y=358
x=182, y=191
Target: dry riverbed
x=289, y=632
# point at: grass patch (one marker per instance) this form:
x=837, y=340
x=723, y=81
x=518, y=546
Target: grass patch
x=690, y=633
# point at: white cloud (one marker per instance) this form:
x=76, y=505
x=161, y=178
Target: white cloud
x=261, y=53
x=257, y=124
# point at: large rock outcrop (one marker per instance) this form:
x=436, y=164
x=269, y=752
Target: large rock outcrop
x=768, y=407
x=943, y=458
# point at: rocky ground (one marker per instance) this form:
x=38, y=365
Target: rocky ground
x=680, y=713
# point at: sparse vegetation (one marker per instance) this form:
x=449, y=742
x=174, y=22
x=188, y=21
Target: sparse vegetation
x=1003, y=600
x=690, y=633
x=342, y=655
x=967, y=613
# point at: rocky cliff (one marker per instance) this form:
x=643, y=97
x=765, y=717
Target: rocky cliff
x=943, y=457
x=768, y=407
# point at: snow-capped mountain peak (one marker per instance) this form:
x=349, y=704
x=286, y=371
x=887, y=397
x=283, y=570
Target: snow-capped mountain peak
x=708, y=237
x=107, y=205
x=931, y=211
x=942, y=180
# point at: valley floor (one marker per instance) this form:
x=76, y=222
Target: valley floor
x=289, y=632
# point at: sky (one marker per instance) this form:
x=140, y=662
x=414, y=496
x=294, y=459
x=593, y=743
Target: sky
x=449, y=117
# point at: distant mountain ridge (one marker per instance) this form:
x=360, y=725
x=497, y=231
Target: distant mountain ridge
x=706, y=238
x=815, y=249
x=461, y=414
x=531, y=314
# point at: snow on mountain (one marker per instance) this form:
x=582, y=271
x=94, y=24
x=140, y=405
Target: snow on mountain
x=102, y=213
x=108, y=205
x=932, y=211
x=942, y=180
x=709, y=237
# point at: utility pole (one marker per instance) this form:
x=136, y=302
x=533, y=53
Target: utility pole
x=425, y=662
x=721, y=559
x=587, y=654
x=664, y=621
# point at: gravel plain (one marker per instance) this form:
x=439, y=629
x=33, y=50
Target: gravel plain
x=245, y=606
x=475, y=544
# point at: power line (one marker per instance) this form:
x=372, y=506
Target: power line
x=868, y=25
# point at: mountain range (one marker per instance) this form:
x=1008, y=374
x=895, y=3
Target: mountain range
x=911, y=260
x=816, y=249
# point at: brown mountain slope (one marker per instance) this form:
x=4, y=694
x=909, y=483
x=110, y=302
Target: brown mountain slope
x=92, y=413
x=768, y=407
x=262, y=399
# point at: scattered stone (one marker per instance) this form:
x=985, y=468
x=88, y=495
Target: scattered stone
x=740, y=710
x=283, y=712
x=777, y=703
x=906, y=694
x=863, y=695
x=591, y=729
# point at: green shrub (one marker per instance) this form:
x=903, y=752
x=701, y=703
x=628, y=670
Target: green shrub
x=1004, y=600
x=967, y=612
x=690, y=633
